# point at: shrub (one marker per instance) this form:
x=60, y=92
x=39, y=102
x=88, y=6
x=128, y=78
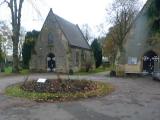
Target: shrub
x=120, y=73
x=113, y=73
x=71, y=72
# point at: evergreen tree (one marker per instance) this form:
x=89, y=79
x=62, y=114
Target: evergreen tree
x=28, y=47
x=97, y=50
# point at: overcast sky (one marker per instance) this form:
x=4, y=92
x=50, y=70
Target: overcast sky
x=80, y=12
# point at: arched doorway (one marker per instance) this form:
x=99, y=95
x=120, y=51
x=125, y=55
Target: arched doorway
x=150, y=58
x=51, y=62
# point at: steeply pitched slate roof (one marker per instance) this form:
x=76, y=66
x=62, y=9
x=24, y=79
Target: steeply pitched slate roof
x=72, y=33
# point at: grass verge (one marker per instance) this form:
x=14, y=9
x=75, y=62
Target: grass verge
x=8, y=70
x=97, y=70
x=16, y=91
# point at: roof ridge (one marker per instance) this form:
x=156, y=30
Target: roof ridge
x=71, y=32
x=60, y=26
x=61, y=17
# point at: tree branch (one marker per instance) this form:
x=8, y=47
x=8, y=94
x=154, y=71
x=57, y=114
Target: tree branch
x=19, y=13
x=3, y=2
x=15, y=11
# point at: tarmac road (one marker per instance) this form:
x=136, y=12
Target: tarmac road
x=134, y=99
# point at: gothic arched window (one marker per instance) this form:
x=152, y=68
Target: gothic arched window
x=50, y=38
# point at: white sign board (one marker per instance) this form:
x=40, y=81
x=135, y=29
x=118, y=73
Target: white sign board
x=41, y=80
x=132, y=60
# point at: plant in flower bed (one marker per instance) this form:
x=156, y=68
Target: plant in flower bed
x=62, y=86
x=59, y=90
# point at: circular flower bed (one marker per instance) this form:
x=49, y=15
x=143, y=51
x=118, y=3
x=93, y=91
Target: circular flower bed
x=59, y=90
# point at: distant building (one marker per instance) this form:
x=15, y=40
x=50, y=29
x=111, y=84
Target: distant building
x=60, y=47
x=139, y=56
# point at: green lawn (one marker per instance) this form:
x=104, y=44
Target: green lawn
x=24, y=71
x=97, y=70
x=8, y=70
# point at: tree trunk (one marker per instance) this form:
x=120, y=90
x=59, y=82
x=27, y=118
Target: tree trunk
x=16, y=8
x=15, y=55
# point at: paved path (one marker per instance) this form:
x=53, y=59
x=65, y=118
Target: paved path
x=134, y=99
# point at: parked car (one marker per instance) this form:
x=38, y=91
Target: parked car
x=156, y=75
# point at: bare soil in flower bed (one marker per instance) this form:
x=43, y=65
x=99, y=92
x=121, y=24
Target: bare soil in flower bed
x=59, y=90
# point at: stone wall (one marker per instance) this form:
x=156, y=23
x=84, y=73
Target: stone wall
x=79, y=58
x=53, y=40
x=58, y=47
x=136, y=44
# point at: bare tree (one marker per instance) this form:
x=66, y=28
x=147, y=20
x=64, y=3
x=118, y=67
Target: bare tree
x=102, y=29
x=2, y=54
x=122, y=14
x=15, y=7
x=110, y=47
x=86, y=31
x=22, y=39
x=6, y=43
x=1, y=51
